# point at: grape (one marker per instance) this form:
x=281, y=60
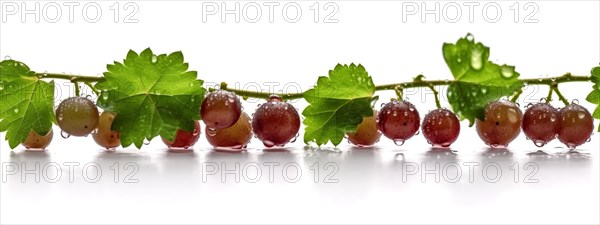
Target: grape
x=104, y=136
x=77, y=116
x=502, y=124
x=540, y=123
x=220, y=109
x=398, y=121
x=441, y=127
x=275, y=123
x=233, y=137
x=184, y=139
x=37, y=141
x=575, y=125
x=366, y=133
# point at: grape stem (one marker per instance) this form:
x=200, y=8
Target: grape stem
x=77, y=91
x=550, y=81
x=560, y=96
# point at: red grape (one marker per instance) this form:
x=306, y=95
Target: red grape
x=220, y=109
x=575, y=125
x=275, y=123
x=540, y=123
x=398, y=121
x=366, y=133
x=502, y=124
x=77, y=116
x=184, y=139
x=104, y=136
x=37, y=141
x=441, y=127
x=233, y=137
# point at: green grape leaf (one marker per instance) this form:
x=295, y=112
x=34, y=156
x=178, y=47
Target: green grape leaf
x=477, y=80
x=337, y=104
x=594, y=96
x=151, y=95
x=26, y=102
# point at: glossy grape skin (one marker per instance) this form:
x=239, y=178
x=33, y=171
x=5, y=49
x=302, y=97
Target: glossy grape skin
x=184, y=139
x=275, y=123
x=104, y=136
x=77, y=116
x=36, y=141
x=441, y=127
x=575, y=125
x=220, y=109
x=502, y=124
x=540, y=123
x=235, y=137
x=398, y=121
x=366, y=133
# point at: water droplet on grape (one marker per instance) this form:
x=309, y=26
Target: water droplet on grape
x=497, y=146
x=418, y=132
x=211, y=131
x=539, y=143
x=589, y=140
x=64, y=134
x=399, y=142
x=274, y=98
x=575, y=101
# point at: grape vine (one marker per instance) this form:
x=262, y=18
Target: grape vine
x=151, y=95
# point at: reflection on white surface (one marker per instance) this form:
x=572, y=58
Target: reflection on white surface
x=349, y=185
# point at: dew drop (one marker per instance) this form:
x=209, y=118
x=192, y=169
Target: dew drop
x=399, y=142
x=575, y=102
x=484, y=90
x=581, y=115
x=64, y=134
x=477, y=58
x=507, y=71
x=146, y=142
x=383, y=104
x=589, y=140
x=274, y=98
x=470, y=37
x=211, y=131
x=418, y=132
x=16, y=110
x=296, y=137
x=1, y=86
x=154, y=58
x=529, y=105
x=60, y=117
x=7, y=57
x=539, y=143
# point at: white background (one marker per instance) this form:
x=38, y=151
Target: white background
x=370, y=188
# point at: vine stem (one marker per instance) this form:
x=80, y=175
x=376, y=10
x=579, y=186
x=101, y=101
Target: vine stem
x=550, y=81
